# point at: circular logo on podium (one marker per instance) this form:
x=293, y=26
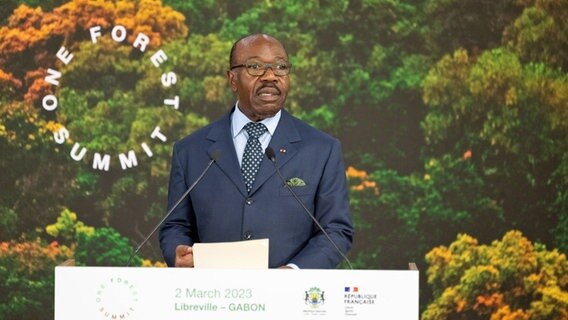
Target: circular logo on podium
x=117, y=299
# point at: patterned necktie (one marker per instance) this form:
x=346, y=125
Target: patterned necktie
x=252, y=155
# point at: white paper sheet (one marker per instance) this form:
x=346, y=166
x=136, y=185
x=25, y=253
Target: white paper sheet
x=249, y=254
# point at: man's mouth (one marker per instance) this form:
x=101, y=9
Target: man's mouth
x=268, y=92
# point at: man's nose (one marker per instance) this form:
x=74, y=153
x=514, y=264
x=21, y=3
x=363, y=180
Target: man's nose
x=268, y=75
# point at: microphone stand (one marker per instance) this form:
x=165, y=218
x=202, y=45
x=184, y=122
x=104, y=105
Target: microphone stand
x=214, y=157
x=272, y=157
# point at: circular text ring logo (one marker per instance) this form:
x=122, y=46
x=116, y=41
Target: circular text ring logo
x=50, y=103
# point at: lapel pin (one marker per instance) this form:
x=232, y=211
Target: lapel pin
x=282, y=150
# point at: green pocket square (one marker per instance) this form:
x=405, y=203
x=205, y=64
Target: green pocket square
x=295, y=182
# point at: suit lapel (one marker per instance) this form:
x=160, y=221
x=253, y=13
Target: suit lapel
x=282, y=142
x=220, y=136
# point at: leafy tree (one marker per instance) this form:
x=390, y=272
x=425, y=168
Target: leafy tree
x=452, y=201
x=106, y=247
x=404, y=216
x=27, y=277
x=31, y=184
x=207, y=16
x=398, y=219
x=202, y=16
x=560, y=205
x=68, y=227
x=8, y=6
x=9, y=85
x=510, y=279
x=539, y=34
x=8, y=223
x=201, y=62
x=472, y=25
x=363, y=192
x=495, y=107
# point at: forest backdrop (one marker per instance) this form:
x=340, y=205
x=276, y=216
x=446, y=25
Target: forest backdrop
x=453, y=115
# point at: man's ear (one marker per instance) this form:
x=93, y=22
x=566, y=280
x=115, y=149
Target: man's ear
x=231, y=78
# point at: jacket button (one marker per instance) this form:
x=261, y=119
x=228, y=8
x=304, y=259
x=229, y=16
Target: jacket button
x=247, y=236
x=249, y=201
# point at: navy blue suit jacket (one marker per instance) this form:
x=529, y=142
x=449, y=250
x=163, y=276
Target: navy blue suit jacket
x=220, y=210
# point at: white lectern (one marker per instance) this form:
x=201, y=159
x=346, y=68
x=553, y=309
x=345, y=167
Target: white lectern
x=209, y=294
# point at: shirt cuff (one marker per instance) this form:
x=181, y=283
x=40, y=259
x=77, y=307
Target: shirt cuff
x=293, y=266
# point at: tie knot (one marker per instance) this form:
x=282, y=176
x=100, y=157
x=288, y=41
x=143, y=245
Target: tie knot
x=255, y=129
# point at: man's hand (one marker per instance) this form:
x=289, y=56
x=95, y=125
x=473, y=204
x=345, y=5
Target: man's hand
x=184, y=256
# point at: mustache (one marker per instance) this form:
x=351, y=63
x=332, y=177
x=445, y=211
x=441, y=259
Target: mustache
x=268, y=85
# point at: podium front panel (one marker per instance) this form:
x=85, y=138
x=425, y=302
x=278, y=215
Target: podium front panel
x=180, y=293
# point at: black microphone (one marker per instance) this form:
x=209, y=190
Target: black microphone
x=214, y=157
x=272, y=157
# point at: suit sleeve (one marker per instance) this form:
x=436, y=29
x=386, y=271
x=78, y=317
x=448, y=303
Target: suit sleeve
x=178, y=227
x=331, y=209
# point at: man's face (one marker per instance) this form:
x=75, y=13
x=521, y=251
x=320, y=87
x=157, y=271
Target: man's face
x=261, y=96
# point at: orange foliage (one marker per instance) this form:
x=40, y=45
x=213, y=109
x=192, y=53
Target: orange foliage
x=8, y=84
x=460, y=305
x=79, y=15
x=29, y=27
x=31, y=256
x=151, y=18
x=22, y=30
x=361, y=176
x=488, y=301
x=505, y=313
x=354, y=173
x=32, y=33
x=510, y=279
x=39, y=87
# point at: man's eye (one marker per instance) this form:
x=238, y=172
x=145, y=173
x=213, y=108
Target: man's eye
x=254, y=66
x=281, y=66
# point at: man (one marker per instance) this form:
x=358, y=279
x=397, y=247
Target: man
x=240, y=198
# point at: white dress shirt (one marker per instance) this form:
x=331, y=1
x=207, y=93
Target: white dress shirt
x=240, y=136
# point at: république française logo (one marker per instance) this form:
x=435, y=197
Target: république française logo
x=129, y=158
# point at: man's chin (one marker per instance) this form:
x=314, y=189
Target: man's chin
x=267, y=110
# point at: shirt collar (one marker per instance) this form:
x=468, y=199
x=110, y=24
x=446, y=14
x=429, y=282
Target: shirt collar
x=239, y=121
